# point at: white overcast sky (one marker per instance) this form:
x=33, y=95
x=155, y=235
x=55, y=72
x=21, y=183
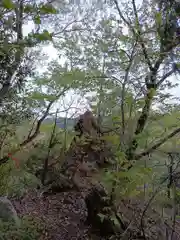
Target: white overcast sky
x=76, y=104
x=52, y=54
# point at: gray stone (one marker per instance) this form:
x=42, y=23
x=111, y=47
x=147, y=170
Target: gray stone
x=8, y=212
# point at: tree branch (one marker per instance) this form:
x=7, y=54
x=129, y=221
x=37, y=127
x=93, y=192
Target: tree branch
x=46, y=161
x=123, y=88
x=168, y=74
x=151, y=79
x=121, y=15
x=158, y=144
x=140, y=38
x=39, y=122
x=37, y=130
x=144, y=115
x=134, y=32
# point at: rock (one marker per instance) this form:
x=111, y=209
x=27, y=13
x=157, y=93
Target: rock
x=101, y=214
x=81, y=162
x=8, y=212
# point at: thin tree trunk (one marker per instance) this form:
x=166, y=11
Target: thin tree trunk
x=37, y=130
x=46, y=161
x=170, y=179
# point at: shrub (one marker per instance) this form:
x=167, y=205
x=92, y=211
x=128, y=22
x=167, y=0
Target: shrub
x=15, y=182
x=31, y=229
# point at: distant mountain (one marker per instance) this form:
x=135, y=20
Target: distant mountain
x=62, y=122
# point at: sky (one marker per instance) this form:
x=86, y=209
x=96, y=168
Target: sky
x=71, y=105
x=79, y=104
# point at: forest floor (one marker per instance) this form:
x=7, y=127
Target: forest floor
x=64, y=214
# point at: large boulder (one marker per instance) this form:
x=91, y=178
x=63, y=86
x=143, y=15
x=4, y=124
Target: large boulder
x=8, y=212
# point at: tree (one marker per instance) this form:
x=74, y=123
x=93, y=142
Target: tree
x=14, y=46
x=143, y=55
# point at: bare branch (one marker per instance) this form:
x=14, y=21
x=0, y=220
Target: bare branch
x=168, y=74
x=140, y=37
x=121, y=15
x=123, y=88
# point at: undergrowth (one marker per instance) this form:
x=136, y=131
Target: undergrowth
x=31, y=229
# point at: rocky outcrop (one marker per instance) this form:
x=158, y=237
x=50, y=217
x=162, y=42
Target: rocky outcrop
x=82, y=161
x=87, y=154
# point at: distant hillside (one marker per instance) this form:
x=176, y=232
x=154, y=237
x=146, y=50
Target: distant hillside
x=62, y=122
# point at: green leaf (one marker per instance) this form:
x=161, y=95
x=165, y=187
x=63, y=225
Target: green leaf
x=48, y=8
x=37, y=96
x=28, y=8
x=178, y=193
x=8, y=4
x=158, y=18
x=46, y=127
x=37, y=20
x=123, y=38
x=44, y=36
x=145, y=170
x=42, y=96
x=178, y=65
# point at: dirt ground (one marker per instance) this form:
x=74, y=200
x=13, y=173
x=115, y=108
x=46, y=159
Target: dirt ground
x=64, y=215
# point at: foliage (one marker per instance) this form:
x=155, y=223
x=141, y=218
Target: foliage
x=14, y=49
x=19, y=182
x=31, y=229
x=118, y=62
x=15, y=182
